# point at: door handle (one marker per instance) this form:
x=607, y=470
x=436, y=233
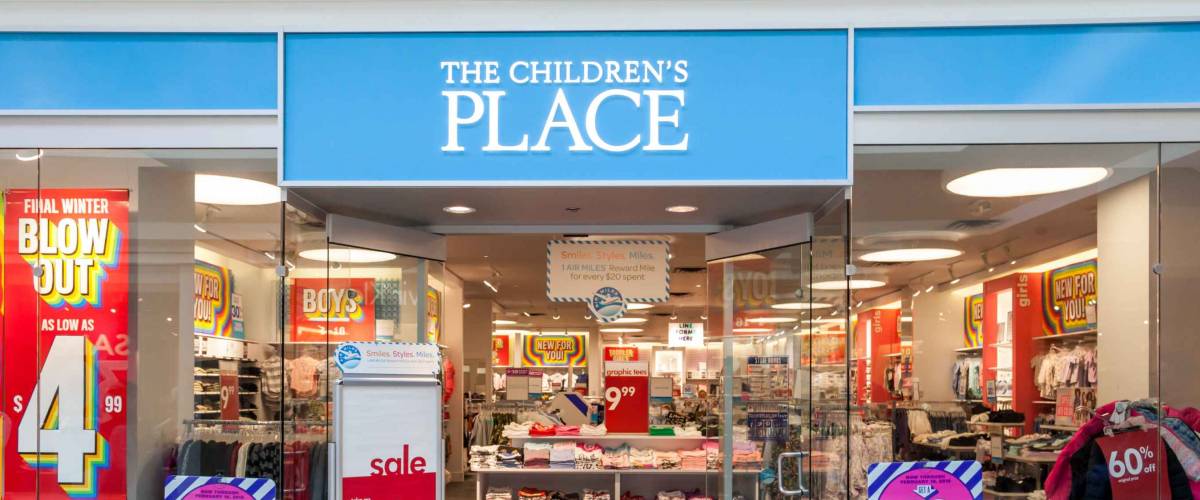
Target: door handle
x=799, y=455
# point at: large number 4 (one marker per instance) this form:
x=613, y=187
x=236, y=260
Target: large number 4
x=60, y=423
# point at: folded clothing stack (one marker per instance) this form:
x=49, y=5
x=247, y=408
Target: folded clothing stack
x=566, y=430
x=537, y=456
x=631, y=496
x=562, y=455
x=965, y=439
x=693, y=459
x=495, y=493
x=697, y=495
x=541, y=430
x=593, y=430
x=513, y=429
x=666, y=460
x=483, y=457
x=616, y=458
x=589, y=456
x=641, y=459
x=532, y=494
x=671, y=495
x=1006, y=417
x=508, y=457
x=746, y=456
x=596, y=495
x=689, y=431
x=712, y=455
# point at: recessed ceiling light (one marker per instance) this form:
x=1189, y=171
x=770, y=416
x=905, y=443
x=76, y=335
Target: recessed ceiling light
x=911, y=254
x=800, y=306
x=29, y=156
x=351, y=255
x=771, y=319
x=638, y=306
x=458, y=209
x=1009, y=182
x=503, y=322
x=620, y=330
x=681, y=209
x=225, y=190
x=929, y=289
x=906, y=319
x=200, y=228
x=628, y=320
x=490, y=286
x=752, y=330
x=844, y=284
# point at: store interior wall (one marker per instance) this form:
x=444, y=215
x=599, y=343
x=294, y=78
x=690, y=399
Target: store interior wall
x=160, y=368
x=937, y=332
x=1180, y=283
x=1123, y=228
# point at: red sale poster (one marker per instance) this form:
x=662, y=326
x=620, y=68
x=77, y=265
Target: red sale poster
x=66, y=337
x=1136, y=468
x=626, y=397
x=342, y=307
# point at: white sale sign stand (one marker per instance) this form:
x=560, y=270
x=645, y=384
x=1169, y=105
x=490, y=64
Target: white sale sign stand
x=388, y=422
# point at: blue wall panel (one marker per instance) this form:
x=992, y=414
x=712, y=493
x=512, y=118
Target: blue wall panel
x=761, y=106
x=1038, y=65
x=137, y=71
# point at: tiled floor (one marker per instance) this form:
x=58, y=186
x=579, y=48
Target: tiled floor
x=462, y=490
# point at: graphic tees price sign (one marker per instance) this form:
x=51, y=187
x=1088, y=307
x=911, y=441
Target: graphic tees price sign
x=1135, y=464
x=66, y=289
x=607, y=274
x=627, y=397
x=337, y=310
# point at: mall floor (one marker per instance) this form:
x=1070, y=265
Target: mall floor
x=461, y=490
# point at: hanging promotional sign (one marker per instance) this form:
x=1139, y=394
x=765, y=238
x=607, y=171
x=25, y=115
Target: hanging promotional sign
x=1136, y=468
x=66, y=293
x=973, y=321
x=388, y=358
x=949, y=480
x=1069, y=299
x=218, y=488
x=620, y=353
x=554, y=350
x=501, y=350
x=685, y=335
x=230, y=401
x=608, y=274
x=334, y=310
x=212, y=301
x=627, y=397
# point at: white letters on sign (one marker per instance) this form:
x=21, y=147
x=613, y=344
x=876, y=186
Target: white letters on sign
x=661, y=108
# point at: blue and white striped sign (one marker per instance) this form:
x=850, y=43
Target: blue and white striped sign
x=206, y=487
x=608, y=274
x=949, y=480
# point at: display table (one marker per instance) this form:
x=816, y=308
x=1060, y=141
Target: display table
x=615, y=480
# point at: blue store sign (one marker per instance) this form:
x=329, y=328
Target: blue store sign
x=620, y=108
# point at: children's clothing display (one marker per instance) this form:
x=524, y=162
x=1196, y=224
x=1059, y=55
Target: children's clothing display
x=965, y=379
x=1065, y=368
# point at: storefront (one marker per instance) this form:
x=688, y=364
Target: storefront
x=667, y=263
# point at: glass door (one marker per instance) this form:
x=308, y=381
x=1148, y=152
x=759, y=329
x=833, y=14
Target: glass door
x=784, y=375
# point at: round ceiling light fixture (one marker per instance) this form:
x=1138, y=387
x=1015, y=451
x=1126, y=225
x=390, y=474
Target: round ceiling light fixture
x=682, y=209
x=752, y=330
x=638, y=306
x=347, y=255
x=911, y=254
x=771, y=320
x=844, y=284
x=1010, y=182
x=620, y=330
x=226, y=190
x=458, y=209
x=801, y=306
x=29, y=156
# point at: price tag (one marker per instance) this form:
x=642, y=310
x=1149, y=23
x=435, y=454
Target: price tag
x=627, y=404
x=231, y=405
x=1135, y=464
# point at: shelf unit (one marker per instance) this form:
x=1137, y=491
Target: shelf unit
x=550, y=478
x=1085, y=335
